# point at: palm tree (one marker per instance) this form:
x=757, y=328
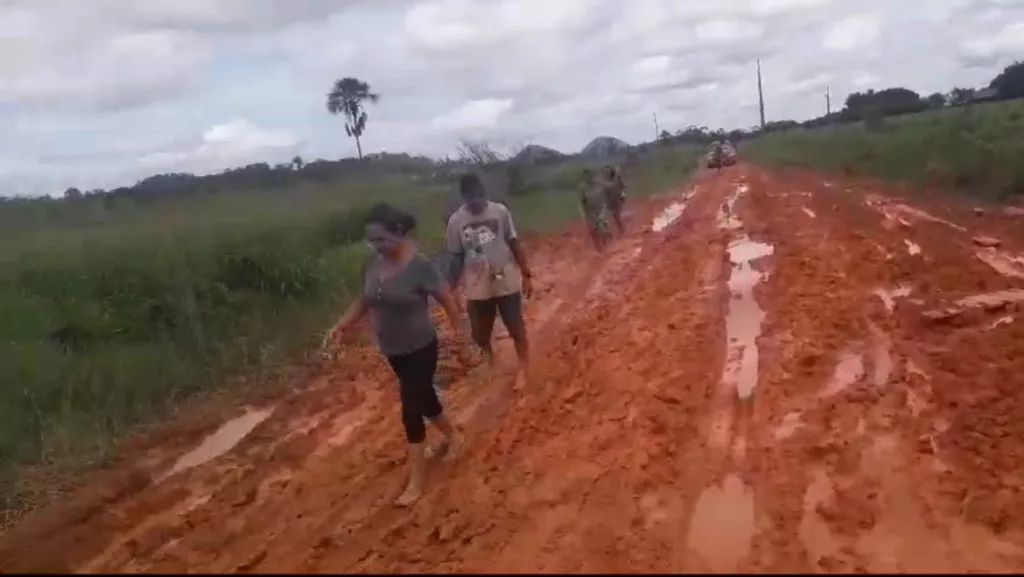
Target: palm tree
x=347, y=98
x=297, y=163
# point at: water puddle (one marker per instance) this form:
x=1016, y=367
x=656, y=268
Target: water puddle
x=912, y=247
x=722, y=525
x=889, y=296
x=849, y=370
x=667, y=216
x=881, y=356
x=814, y=531
x=743, y=321
x=914, y=369
x=810, y=213
x=920, y=214
x=727, y=219
x=904, y=213
x=1002, y=262
x=993, y=299
x=220, y=442
x=1008, y=319
x=988, y=301
x=791, y=423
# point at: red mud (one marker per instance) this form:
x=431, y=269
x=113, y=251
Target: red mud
x=668, y=427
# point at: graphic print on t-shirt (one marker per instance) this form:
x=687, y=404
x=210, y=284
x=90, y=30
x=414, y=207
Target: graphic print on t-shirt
x=476, y=235
x=476, y=238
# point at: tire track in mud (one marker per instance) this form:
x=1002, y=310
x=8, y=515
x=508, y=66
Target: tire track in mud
x=848, y=479
x=534, y=495
x=700, y=404
x=254, y=505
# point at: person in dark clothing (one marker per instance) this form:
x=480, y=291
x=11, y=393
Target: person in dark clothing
x=615, y=194
x=396, y=281
x=594, y=206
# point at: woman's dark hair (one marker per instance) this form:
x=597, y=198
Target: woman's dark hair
x=392, y=219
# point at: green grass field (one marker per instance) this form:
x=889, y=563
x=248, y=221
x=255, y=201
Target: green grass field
x=109, y=318
x=974, y=150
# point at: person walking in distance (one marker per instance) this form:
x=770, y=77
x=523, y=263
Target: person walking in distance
x=615, y=195
x=594, y=206
x=397, y=279
x=492, y=264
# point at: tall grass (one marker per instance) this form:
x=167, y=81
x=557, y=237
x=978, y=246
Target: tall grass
x=974, y=150
x=107, y=325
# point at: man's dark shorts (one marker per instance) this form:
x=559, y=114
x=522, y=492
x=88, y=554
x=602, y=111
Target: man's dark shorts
x=482, y=314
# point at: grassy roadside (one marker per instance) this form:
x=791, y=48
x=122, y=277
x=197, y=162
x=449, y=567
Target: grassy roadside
x=974, y=150
x=106, y=327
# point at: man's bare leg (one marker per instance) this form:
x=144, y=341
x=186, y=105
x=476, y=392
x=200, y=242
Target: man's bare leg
x=597, y=238
x=617, y=216
x=515, y=322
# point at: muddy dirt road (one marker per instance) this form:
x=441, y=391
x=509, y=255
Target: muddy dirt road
x=772, y=372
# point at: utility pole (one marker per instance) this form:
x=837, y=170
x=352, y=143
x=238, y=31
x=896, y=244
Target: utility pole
x=828, y=101
x=760, y=93
x=657, y=133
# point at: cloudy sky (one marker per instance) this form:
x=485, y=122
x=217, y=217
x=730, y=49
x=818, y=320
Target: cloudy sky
x=102, y=92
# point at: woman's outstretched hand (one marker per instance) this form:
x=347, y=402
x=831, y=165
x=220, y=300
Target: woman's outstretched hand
x=332, y=339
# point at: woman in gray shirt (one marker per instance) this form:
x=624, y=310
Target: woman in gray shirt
x=397, y=279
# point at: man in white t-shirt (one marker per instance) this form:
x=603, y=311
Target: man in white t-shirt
x=492, y=265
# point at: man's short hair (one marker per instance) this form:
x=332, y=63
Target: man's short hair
x=469, y=182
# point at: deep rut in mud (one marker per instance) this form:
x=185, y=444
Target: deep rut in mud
x=770, y=373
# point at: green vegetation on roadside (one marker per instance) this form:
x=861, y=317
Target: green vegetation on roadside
x=973, y=149
x=108, y=319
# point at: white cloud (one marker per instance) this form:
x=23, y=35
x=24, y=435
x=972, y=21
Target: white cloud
x=725, y=31
x=853, y=33
x=1007, y=42
x=234, y=143
x=474, y=115
x=102, y=92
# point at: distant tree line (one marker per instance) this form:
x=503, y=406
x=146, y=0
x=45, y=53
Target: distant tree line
x=871, y=105
x=348, y=98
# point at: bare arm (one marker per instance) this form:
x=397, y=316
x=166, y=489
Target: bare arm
x=454, y=253
x=353, y=314
x=451, y=309
x=433, y=284
x=512, y=238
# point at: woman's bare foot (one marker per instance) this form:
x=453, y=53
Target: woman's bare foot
x=411, y=494
x=454, y=448
x=436, y=450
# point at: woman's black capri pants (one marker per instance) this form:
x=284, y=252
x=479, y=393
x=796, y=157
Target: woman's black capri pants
x=415, y=372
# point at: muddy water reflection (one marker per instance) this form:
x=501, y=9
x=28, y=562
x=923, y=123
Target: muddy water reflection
x=848, y=371
x=722, y=526
x=223, y=440
x=743, y=322
x=889, y=296
x=814, y=531
x=667, y=216
x=1006, y=264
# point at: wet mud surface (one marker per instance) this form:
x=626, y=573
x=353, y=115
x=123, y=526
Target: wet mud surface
x=771, y=372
